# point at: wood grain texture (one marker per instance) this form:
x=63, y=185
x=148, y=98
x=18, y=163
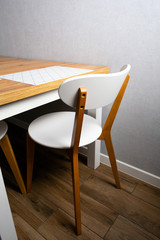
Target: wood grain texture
x=60, y=226
x=8, y=151
x=107, y=213
x=6, y=85
x=75, y=146
x=148, y=193
x=24, y=230
x=60, y=193
x=127, y=184
x=106, y=131
x=34, y=208
x=124, y=229
x=132, y=208
x=23, y=211
x=10, y=92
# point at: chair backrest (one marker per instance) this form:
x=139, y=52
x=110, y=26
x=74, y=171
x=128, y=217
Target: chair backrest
x=102, y=89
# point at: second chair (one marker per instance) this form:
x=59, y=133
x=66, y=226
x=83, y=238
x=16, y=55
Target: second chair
x=8, y=152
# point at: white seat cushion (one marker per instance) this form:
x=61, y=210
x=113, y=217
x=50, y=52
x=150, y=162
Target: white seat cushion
x=55, y=130
x=3, y=129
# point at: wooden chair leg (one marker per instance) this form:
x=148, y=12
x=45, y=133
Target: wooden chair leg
x=106, y=132
x=30, y=161
x=8, y=151
x=112, y=158
x=76, y=192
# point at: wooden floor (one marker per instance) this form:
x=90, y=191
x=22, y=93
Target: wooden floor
x=107, y=213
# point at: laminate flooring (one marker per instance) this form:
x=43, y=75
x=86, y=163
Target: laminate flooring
x=47, y=213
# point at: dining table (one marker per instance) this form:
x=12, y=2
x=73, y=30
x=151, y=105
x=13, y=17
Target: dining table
x=26, y=84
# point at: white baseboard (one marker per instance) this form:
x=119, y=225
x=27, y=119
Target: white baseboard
x=133, y=171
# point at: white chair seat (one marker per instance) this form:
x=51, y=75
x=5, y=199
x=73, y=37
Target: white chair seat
x=3, y=129
x=55, y=130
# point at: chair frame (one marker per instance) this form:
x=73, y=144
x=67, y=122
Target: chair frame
x=105, y=135
x=74, y=150
x=8, y=152
x=106, y=132
x=73, y=153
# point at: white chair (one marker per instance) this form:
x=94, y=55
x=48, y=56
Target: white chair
x=8, y=152
x=75, y=129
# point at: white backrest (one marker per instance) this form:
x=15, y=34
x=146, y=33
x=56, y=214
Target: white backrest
x=102, y=89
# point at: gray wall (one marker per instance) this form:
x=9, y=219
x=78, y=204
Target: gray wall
x=100, y=32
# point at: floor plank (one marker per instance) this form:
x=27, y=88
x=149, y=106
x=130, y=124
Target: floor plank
x=62, y=167
x=60, y=226
x=107, y=213
x=134, y=209
x=148, y=193
x=126, y=183
x=124, y=229
x=94, y=215
x=21, y=210
x=39, y=206
x=24, y=230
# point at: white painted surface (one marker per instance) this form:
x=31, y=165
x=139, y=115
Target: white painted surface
x=102, y=89
x=94, y=148
x=7, y=229
x=3, y=129
x=133, y=171
x=11, y=109
x=44, y=75
x=55, y=130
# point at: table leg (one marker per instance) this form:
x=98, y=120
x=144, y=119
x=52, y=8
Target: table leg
x=93, y=160
x=7, y=228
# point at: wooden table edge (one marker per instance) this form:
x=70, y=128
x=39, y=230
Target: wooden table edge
x=27, y=90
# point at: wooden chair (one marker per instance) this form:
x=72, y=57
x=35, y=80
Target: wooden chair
x=75, y=129
x=8, y=152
